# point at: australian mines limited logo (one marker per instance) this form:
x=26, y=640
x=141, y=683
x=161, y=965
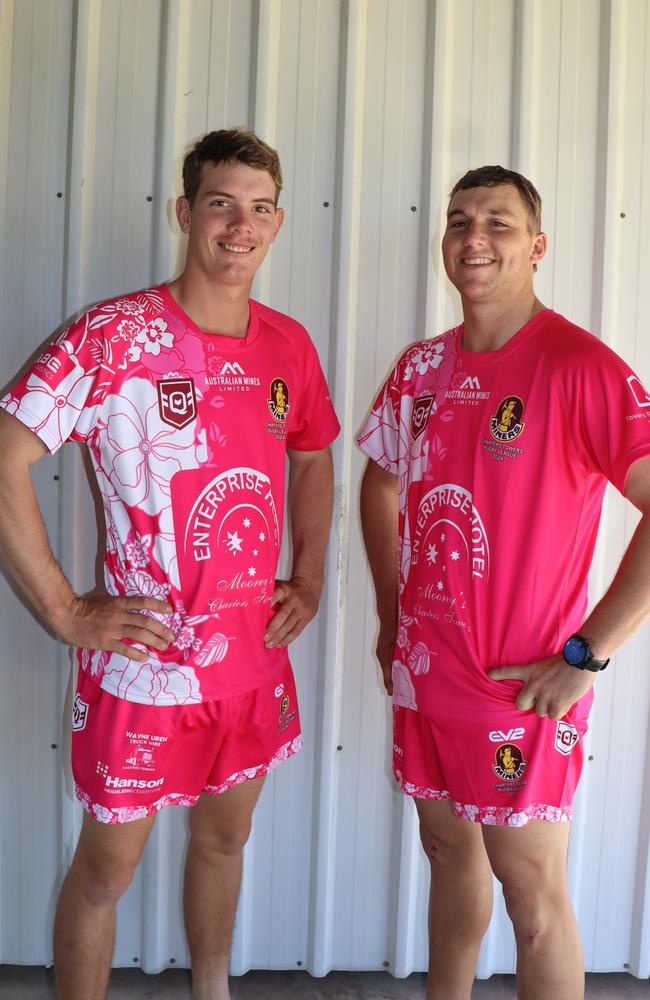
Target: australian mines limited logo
x=509, y=762
x=466, y=389
x=506, y=424
x=229, y=376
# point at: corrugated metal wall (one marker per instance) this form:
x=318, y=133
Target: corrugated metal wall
x=376, y=106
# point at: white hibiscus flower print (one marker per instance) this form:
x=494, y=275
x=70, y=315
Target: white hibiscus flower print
x=140, y=584
x=151, y=683
x=144, y=453
x=154, y=336
x=424, y=358
x=136, y=549
x=52, y=411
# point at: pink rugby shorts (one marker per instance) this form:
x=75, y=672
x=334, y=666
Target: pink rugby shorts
x=130, y=760
x=500, y=767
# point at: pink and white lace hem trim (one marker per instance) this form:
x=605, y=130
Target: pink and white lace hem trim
x=491, y=815
x=126, y=814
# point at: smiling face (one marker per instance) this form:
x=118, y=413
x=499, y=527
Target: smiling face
x=489, y=247
x=231, y=223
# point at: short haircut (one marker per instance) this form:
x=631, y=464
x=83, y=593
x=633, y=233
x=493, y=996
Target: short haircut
x=229, y=145
x=492, y=176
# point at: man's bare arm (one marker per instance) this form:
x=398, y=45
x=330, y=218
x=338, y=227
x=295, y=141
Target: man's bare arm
x=552, y=686
x=379, y=521
x=310, y=516
x=97, y=622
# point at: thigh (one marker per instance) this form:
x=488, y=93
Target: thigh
x=225, y=819
x=447, y=838
x=532, y=856
x=111, y=851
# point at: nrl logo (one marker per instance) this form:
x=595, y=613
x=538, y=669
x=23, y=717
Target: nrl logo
x=177, y=401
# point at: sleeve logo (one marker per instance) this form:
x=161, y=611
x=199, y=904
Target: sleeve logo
x=177, y=401
x=638, y=390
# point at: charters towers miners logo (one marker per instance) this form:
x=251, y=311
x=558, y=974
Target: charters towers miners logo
x=506, y=424
x=177, y=401
x=278, y=400
x=510, y=764
x=420, y=415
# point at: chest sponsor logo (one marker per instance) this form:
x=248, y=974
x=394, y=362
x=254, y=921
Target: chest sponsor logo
x=509, y=762
x=230, y=376
x=498, y=736
x=566, y=737
x=227, y=540
x=466, y=390
x=506, y=424
x=638, y=390
x=420, y=415
x=449, y=532
x=79, y=713
x=177, y=401
x=278, y=400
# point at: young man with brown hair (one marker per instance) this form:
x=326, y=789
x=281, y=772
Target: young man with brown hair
x=489, y=458
x=185, y=693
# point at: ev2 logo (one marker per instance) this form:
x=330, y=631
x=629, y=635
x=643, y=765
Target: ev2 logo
x=496, y=736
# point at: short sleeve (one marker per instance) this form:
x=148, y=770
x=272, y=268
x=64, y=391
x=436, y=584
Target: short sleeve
x=314, y=424
x=59, y=397
x=609, y=429
x=379, y=437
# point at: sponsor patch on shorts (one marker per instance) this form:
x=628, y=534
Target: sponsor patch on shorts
x=79, y=713
x=566, y=737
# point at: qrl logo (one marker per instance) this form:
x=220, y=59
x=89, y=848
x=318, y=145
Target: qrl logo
x=566, y=737
x=421, y=410
x=79, y=714
x=177, y=401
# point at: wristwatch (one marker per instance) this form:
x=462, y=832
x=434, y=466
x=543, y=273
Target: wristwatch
x=577, y=652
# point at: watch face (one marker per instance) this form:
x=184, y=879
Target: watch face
x=575, y=650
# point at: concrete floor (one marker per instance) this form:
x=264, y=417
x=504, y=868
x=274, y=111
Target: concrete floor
x=20, y=983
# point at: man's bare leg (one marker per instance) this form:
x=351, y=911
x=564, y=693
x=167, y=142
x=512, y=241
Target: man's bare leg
x=531, y=865
x=219, y=829
x=84, y=926
x=460, y=899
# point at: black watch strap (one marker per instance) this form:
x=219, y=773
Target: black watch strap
x=577, y=653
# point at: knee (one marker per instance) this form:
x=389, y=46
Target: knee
x=101, y=883
x=531, y=908
x=229, y=840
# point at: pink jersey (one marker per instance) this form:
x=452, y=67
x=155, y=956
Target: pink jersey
x=188, y=434
x=502, y=459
